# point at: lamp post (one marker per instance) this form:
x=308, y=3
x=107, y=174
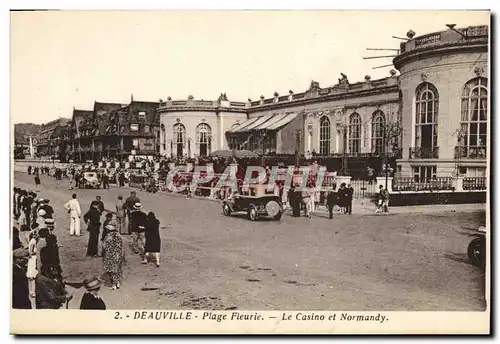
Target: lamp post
x=392, y=130
x=342, y=127
x=297, y=150
x=459, y=150
x=233, y=145
x=263, y=138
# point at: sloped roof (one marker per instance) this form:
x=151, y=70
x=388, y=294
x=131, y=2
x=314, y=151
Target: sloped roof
x=101, y=108
x=148, y=107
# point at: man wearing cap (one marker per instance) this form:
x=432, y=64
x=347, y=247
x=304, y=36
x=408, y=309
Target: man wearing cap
x=20, y=285
x=129, y=206
x=137, y=226
x=91, y=299
x=49, y=214
x=27, y=202
x=73, y=208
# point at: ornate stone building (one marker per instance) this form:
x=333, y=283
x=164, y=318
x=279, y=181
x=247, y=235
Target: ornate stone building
x=341, y=119
x=445, y=104
x=320, y=120
x=197, y=127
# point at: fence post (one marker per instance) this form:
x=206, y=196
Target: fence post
x=381, y=181
x=458, y=183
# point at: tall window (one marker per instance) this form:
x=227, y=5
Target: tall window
x=203, y=138
x=324, y=136
x=355, y=133
x=474, y=113
x=378, y=126
x=424, y=174
x=426, y=119
x=179, y=139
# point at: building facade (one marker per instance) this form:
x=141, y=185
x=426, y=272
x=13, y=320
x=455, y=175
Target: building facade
x=342, y=119
x=433, y=116
x=192, y=127
x=445, y=103
x=50, y=138
x=114, y=130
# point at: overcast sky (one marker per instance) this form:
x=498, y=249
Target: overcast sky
x=65, y=59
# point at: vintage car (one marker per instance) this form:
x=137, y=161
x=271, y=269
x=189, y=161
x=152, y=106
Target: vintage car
x=256, y=202
x=476, y=250
x=89, y=180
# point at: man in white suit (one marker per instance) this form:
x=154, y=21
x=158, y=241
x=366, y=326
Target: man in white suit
x=73, y=208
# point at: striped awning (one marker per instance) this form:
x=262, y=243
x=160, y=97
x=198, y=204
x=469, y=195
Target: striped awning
x=271, y=122
x=243, y=125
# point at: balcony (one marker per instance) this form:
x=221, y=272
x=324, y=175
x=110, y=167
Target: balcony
x=424, y=153
x=470, y=152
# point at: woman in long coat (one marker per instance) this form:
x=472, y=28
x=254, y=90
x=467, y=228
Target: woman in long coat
x=114, y=255
x=93, y=220
x=153, y=240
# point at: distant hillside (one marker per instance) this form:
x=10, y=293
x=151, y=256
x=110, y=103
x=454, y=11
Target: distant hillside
x=22, y=131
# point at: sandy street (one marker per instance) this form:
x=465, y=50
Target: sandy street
x=209, y=261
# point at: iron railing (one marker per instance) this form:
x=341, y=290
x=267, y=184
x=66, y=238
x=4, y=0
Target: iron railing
x=474, y=183
x=424, y=153
x=471, y=152
x=412, y=184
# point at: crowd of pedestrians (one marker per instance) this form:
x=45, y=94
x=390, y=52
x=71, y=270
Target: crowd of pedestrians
x=38, y=280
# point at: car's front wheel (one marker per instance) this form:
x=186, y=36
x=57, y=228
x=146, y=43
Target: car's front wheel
x=252, y=213
x=476, y=252
x=226, y=209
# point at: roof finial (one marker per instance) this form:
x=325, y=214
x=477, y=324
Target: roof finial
x=131, y=97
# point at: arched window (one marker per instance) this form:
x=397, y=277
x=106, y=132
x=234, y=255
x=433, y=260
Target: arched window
x=355, y=133
x=378, y=127
x=426, y=120
x=324, y=136
x=179, y=139
x=203, y=138
x=474, y=122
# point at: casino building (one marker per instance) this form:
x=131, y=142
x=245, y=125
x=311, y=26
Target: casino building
x=439, y=102
x=444, y=81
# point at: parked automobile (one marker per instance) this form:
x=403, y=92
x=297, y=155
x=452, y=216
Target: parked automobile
x=477, y=248
x=255, y=202
x=89, y=180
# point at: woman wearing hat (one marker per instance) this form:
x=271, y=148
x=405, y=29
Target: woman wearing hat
x=91, y=299
x=32, y=268
x=93, y=220
x=153, y=240
x=40, y=220
x=114, y=255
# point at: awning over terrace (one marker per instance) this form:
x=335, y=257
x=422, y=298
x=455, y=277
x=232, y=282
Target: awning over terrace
x=271, y=122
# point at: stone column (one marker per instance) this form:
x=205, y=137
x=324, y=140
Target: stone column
x=458, y=183
x=381, y=181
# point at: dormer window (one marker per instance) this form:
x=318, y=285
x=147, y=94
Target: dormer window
x=142, y=114
x=134, y=127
